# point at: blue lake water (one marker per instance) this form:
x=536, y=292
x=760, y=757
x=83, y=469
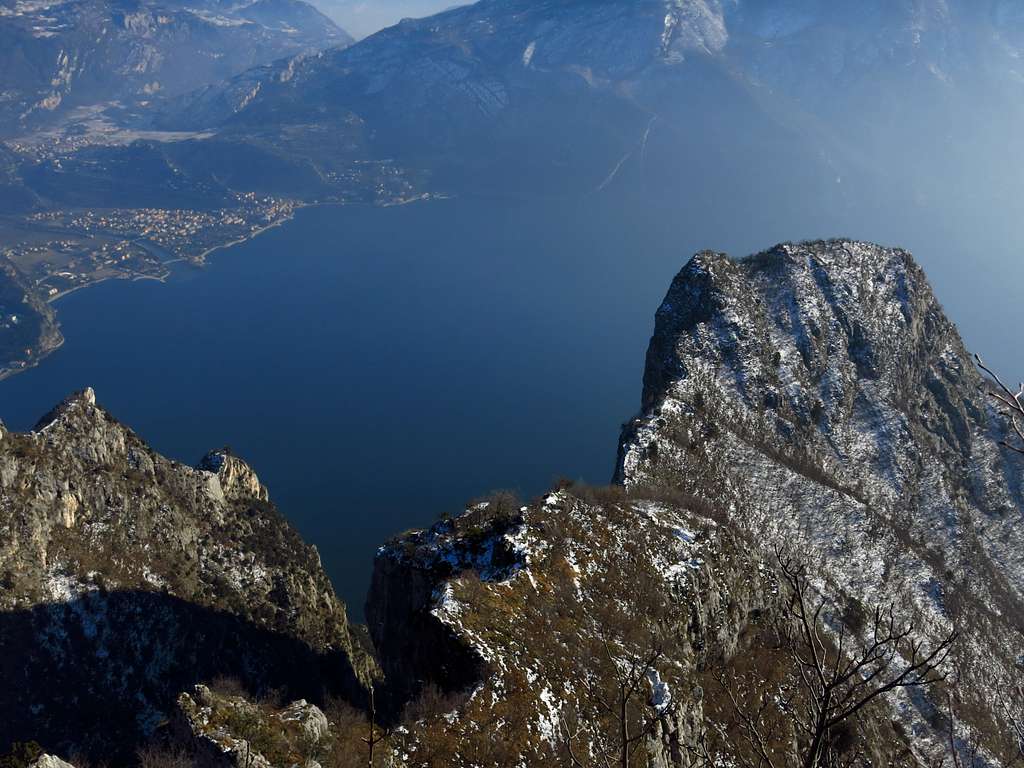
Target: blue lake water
x=380, y=366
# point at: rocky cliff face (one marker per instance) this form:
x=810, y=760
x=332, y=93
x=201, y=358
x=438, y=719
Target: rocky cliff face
x=125, y=578
x=545, y=601
x=819, y=392
x=220, y=730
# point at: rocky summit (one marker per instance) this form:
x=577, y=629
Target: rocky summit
x=819, y=393
x=817, y=464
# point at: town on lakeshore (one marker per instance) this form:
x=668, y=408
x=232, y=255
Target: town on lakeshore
x=49, y=253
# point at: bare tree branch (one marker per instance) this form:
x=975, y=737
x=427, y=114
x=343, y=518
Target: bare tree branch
x=836, y=678
x=1011, y=404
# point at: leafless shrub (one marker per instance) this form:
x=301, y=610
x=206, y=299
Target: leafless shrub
x=432, y=702
x=358, y=737
x=813, y=719
x=1009, y=403
x=226, y=685
x=164, y=756
x=618, y=709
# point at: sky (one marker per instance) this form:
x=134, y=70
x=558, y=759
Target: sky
x=364, y=17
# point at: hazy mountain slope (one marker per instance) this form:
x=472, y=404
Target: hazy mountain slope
x=363, y=19
x=820, y=393
x=520, y=97
x=126, y=578
x=58, y=55
x=814, y=98
x=808, y=114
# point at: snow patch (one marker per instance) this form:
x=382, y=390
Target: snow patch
x=528, y=53
x=661, y=694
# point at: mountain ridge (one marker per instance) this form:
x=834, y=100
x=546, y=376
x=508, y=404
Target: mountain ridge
x=812, y=399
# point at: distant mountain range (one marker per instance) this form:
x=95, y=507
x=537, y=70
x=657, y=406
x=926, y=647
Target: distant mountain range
x=895, y=120
x=792, y=101
x=56, y=55
x=798, y=102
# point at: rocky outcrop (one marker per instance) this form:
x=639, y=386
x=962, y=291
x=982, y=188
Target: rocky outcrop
x=126, y=578
x=49, y=761
x=234, y=478
x=819, y=393
x=230, y=732
x=547, y=599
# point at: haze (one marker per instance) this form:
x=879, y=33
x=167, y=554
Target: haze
x=361, y=18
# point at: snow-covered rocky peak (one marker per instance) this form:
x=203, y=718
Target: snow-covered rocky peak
x=819, y=392
x=814, y=315
x=479, y=51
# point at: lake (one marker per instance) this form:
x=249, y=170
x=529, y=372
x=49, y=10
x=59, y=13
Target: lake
x=379, y=366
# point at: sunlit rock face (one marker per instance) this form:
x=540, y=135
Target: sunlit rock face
x=819, y=393
x=205, y=722
x=126, y=578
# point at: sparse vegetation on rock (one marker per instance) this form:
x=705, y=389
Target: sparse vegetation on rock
x=812, y=560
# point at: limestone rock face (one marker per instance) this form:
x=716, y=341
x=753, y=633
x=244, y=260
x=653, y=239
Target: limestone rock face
x=311, y=721
x=819, y=393
x=124, y=580
x=229, y=731
x=235, y=477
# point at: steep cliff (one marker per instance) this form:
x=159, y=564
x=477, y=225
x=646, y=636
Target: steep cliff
x=819, y=393
x=551, y=603
x=126, y=578
x=501, y=630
